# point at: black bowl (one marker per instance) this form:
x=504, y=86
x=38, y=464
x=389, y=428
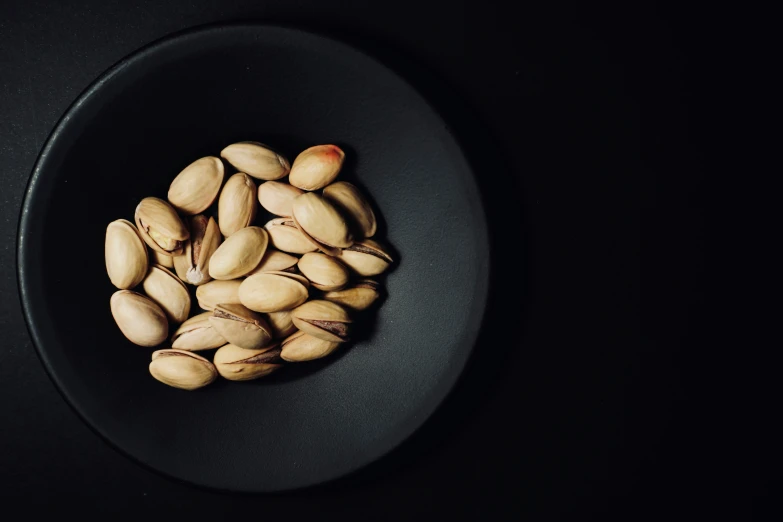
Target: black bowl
x=188, y=96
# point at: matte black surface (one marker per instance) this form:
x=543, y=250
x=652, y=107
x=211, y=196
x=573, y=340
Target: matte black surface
x=188, y=97
x=587, y=408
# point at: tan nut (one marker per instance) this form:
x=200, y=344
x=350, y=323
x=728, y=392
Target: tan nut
x=367, y=258
x=239, y=254
x=323, y=319
x=276, y=197
x=320, y=222
x=284, y=235
x=256, y=159
x=240, y=326
x=168, y=292
x=196, y=187
x=301, y=347
x=240, y=364
x=197, y=333
x=316, y=167
x=275, y=261
x=354, y=206
x=160, y=226
x=237, y=204
x=273, y=291
x=324, y=272
x=357, y=297
x=126, y=254
x=218, y=292
x=140, y=320
x=192, y=265
x=182, y=369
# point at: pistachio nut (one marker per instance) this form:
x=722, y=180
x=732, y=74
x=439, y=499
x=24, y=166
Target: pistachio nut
x=366, y=258
x=139, y=318
x=182, y=369
x=240, y=326
x=237, y=204
x=301, y=347
x=275, y=260
x=160, y=259
x=284, y=235
x=168, y=292
x=323, y=319
x=196, y=187
x=281, y=323
x=324, y=272
x=318, y=220
x=316, y=167
x=126, y=254
x=160, y=226
x=256, y=159
x=204, y=240
x=239, y=254
x=240, y=364
x=197, y=333
x=214, y=293
x=359, y=296
x=277, y=197
x=354, y=206
x=273, y=291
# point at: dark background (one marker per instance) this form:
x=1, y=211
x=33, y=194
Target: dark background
x=581, y=403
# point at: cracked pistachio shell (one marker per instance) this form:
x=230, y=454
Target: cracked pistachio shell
x=316, y=167
x=256, y=159
x=354, y=206
x=275, y=260
x=239, y=254
x=273, y=291
x=240, y=364
x=168, y=292
x=276, y=197
x=359, y=296
x=237, y=204
x=323, y=319
x=182, y=369
x=197, y=333
x=286, y=236
x=281, y=323
x=159, y=259
x=139, y=318
x=211, y=294
x=126, y=254
x=320, y=221
x=324, y=272
x=240, y=326
x=196, y=187
x=192, y=265
x=366, y=258
x=160, y=226
x=301, y=347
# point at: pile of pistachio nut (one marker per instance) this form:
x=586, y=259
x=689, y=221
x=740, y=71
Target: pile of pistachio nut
x=284, y=292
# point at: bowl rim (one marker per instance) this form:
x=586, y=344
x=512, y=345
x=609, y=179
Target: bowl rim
x=481, y=287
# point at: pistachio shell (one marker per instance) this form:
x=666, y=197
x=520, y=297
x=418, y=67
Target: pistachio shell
x=281, y=323
x=240, y=326
x=214, y=293
x=182, y=369
x=204, y=240
x=323, y=319
x=239, y=254
x=256, y=159
x=354, y=206
x=240, y=364
x=359, y=296
x=168, y=292
x=275, y=260
x=366, y=258
x=159, y=259
x=196, y=187
x=139, y=318
x=284, y=235
x=276, y=197
x=301, y=347
x=321, y=222
x=324, y=272
x=197, y=333
x=272, y=292
x=125, y=253
x=316, y=167
x=160, y=226
x=237, y=204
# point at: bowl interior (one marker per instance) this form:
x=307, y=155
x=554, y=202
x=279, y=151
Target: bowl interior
x=187, y=97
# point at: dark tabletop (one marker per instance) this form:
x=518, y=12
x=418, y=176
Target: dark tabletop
x=581, y=407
